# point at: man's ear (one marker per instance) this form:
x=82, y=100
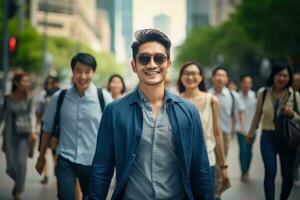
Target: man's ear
x=133, y=65
x=169, y=64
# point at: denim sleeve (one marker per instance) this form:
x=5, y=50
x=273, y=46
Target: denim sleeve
x=201, y=178
x=48, y=118
x=102, y=168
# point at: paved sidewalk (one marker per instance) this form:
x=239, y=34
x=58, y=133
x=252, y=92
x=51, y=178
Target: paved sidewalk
x=251, y=190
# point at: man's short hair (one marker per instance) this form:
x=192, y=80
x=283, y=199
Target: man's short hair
x=219, y=68
x=245, y=76
x=150, y=35
x=84, y=58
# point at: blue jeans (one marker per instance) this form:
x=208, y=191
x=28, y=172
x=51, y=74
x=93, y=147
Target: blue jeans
x=245, y=153
x=66, y=173
x=271, y=146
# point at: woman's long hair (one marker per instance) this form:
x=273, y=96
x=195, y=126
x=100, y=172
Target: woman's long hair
x=16, y=79
x=116, y=76
x=201, y=86
x=278, y=67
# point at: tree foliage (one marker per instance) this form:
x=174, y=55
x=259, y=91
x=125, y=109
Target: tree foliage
x=268, y=28
x=273, y=23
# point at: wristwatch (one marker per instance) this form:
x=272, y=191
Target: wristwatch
x=223, y=166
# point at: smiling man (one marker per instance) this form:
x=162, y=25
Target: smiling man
x=153, y=138
x=79, y=122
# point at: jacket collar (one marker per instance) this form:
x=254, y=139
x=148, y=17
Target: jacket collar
x=171, y=98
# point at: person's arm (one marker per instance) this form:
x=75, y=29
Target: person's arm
x=220, y=154
x=46, y=134
x=40, y=164
x=103, y=165
x=256, y=117
x=200, y=177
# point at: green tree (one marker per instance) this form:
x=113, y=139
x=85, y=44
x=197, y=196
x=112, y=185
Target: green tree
x=28, y=55
x=274, y=24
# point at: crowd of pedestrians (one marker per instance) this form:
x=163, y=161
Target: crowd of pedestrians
x=149, y=143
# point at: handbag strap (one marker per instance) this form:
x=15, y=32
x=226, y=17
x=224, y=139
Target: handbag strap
x=295, y=106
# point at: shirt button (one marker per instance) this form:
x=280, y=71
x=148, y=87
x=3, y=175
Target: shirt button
x=133, y=155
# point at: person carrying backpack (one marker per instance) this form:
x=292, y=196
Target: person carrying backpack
x=76, y=127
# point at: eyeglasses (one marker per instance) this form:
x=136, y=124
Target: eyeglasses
x=193, y=74
x=145, y=58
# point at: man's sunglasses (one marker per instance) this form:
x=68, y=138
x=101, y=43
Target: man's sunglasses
x=158, y=58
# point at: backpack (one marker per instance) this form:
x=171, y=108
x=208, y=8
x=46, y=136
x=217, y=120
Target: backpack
x=56, y=125
x=233, y=104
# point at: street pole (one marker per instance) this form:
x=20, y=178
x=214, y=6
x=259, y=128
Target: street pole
x=5, y=45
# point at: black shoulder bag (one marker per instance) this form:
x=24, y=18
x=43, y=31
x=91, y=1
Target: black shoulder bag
x=287, y=128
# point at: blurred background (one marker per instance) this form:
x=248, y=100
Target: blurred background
x=246, y=36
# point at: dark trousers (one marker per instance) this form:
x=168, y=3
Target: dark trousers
x=67, y=172
x=270, y=146
x=245, y=154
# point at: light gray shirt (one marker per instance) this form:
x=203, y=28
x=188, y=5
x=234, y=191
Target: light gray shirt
x=226, y=103
x=249, y=102
x=156, y=170
x=79, y=123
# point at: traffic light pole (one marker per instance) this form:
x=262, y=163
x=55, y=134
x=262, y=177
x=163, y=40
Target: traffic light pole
x=5, y=45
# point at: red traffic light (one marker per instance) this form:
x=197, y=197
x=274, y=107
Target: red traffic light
x=12, y=44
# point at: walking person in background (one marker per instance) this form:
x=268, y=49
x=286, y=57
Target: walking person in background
x=116, y=86
x=229, y=105
x=296, y=87
x=191, y=85
x=51, y=85
x=153, y=137
x=248, y=97
x=17, y=115
x=79, y=122
x=276, y=97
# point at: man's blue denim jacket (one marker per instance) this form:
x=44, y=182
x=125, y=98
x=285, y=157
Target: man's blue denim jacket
x=119, y=137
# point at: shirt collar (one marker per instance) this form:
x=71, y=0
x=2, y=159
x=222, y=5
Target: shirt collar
x=223, y=92
x=88, y=92
x=137, y=96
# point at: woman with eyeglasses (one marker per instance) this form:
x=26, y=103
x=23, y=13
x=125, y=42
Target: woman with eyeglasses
x=16, y=113
x=276, y=97
x=191, y=85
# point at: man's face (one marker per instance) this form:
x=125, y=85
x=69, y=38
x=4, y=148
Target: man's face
x=296, y=82
x=246, y=83
x=82, y=76
x=220, y=78
x=151, y=64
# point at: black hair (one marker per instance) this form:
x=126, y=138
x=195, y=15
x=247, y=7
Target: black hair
x=16, y=79
x=122, y=80
x=150, y=35
x=245, y=76
x=278, y=67
x=84, y=58
x=219, y=68
x=201, y=86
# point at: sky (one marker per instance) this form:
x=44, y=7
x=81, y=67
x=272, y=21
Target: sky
x=145, y=10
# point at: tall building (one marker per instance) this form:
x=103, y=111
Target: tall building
x=127, y=26
x=108, y=7
x=220, y=10
x=197, y=13
x=209, y=12
x=120, y=19
x=74, y=19
x=162, y=22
